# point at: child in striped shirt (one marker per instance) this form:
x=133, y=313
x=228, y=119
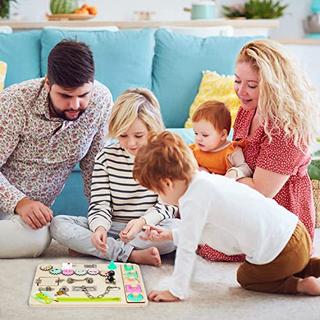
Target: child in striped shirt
x=119, y=205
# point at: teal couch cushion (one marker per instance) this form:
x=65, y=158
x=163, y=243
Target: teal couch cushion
x=123, y=59
x=21, y=52
x=72, y=200
x=177, y=69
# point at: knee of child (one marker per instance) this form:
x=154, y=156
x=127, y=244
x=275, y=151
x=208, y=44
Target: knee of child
x=57, y=227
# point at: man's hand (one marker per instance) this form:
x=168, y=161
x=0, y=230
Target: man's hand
x=99, y=239
x=153, y=233
x=162, y=296
x=132, y=228
x=33, y=213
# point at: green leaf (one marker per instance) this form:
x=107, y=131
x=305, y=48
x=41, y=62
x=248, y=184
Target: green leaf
x=264, y=9
x=314, y=170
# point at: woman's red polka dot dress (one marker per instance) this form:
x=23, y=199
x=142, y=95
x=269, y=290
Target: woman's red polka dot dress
x=280, y=156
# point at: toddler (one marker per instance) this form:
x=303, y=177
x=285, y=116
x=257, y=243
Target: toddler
x=214, y=153
x=275, y=243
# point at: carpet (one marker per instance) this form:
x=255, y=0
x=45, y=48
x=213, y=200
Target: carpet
x=215, y=294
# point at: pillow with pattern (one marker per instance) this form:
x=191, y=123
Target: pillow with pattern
x=3, y=70
x=217, y=87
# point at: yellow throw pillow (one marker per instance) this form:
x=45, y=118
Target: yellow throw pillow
x=217, y=87
x=3, y=70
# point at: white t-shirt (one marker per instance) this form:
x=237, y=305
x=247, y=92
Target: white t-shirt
x=232, y=218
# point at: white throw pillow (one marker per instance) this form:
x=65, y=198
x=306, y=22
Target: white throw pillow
x=5, y=29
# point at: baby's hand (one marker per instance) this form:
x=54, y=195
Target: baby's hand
x=232, y=173
x=99, y=240
x=162, y=296
x=132, y=229
x=153, y=233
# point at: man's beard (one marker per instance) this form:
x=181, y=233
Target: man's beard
x=55, y=112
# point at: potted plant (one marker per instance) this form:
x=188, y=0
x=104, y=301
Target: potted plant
x=5, y=8
x=256, y=9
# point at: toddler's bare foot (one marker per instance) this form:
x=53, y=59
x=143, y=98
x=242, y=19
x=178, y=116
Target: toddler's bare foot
x=150, y=256
x=310, y=286
x=73, y=253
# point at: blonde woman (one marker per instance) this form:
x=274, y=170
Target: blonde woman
x=278, y=117
x=119, y=205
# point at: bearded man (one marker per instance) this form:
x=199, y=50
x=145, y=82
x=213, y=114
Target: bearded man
x=47, y=126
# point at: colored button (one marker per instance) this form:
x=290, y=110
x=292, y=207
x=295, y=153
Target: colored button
x=80, y=272
x=67, y=272
x=132, y=274
x=128, y=267
x=55, y=271
x=93, y=271
x=131, y=289
x=134, y=297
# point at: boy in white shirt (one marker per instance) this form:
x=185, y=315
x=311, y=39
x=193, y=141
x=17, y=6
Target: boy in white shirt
x=229, y=216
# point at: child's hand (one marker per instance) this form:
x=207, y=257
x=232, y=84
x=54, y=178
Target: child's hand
x=132, y=229
x=99, y=239
x=162, y=296
x=153, y=233
x=232, y=174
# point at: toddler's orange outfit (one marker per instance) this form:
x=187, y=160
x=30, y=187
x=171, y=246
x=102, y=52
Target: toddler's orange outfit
x=228, y=160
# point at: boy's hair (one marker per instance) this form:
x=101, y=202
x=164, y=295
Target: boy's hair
x=166, y=156
x=214, y=112
x=70, y=64
x=132, y=104
x=287, y=101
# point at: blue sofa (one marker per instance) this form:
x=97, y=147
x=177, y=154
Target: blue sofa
x=169, y=64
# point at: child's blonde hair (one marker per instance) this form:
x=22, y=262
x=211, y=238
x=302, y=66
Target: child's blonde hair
x=166, y=156
x=214, y=112
x=286, y=99
x=132, y=104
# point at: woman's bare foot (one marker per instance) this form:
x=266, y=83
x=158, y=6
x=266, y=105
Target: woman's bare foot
x=150, y=256
x=73, y=253
x=310, y=286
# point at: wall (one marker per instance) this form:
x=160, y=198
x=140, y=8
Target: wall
x=119, y=10
x=305, y=56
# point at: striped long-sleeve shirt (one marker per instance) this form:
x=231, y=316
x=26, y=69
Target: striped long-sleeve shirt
x=116, y=196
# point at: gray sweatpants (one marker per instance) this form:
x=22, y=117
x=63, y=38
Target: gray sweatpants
x=18, y=240
x=74, y=233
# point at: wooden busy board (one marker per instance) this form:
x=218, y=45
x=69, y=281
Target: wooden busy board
x=109, y=284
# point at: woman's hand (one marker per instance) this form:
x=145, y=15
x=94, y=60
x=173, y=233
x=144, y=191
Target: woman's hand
x=132, y=229
x=99, y=240
x=162, y=296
